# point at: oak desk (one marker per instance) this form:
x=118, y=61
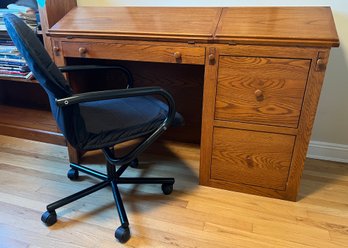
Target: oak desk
x=251, y=76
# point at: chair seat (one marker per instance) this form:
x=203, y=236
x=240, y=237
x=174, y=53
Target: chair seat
x=114, y=121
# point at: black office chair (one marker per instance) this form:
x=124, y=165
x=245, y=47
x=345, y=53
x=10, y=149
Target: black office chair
x=98, y=120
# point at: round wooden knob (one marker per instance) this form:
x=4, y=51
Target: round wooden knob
x=321, y=65
x=177, y=55
x=56, y=49
x=249, y=161
x=82, y=50
x=258, y=93
x=320, y=62
x=211, y=57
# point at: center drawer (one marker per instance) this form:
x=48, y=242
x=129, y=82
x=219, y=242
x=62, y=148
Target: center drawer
x=261, y=90
x=134, y=52
x=251, y=157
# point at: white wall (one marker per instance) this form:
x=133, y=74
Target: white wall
x=330, y=133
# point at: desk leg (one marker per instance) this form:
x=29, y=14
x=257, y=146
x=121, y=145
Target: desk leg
x=74, y=155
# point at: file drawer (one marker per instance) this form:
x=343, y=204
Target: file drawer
x=261, y=90
x=251, y=157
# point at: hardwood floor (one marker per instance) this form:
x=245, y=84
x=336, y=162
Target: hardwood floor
x=33, y=174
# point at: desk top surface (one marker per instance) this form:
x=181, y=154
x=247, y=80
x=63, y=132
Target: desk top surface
x=287, y=25
x=147, y=22
x=306, y=24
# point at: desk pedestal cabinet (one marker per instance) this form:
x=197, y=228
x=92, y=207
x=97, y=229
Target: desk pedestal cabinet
x=263, y=72
x=259, y=109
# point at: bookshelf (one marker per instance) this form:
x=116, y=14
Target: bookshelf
x=24, y=106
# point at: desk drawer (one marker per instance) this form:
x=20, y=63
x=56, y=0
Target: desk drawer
x=251, y=157
x=261, y=90
x=147, y=53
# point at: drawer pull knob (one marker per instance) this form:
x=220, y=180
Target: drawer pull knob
x=249, y=161
x=82, y=50
x=56, y=50
x=177, y=55
x=321, y=65
x=211, y=57
x=259, y=94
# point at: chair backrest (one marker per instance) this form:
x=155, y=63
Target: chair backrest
x=48, y=75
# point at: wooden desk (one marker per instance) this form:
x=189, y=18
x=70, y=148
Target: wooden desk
x=260, y=72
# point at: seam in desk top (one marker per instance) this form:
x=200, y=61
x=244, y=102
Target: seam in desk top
x=218, y=23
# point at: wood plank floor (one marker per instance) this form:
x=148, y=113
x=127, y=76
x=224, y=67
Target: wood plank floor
x=33, y=174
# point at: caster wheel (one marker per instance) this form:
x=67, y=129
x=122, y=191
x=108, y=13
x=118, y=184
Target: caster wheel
x=122, y=234
x=49, y=218
x=73, y=174
x=134, y=164
x=167, y=188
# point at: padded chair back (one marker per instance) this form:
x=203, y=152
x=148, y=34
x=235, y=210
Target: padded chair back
x=49, y=77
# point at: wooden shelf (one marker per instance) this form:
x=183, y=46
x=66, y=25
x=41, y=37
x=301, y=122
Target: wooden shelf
x=19, y=79
x=29, y=123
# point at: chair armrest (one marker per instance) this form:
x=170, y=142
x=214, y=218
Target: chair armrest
x=71, y=68
x=121, y=93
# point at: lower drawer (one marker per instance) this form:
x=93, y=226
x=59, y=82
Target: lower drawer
x=251, y=157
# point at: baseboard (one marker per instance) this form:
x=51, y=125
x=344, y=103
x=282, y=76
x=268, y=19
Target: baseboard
x=328, y=151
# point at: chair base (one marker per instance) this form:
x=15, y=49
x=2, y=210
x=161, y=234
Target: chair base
x=112, y=178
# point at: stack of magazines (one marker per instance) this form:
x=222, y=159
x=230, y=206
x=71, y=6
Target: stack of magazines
x=12, y=64
x=2, y=13
x=27, y=14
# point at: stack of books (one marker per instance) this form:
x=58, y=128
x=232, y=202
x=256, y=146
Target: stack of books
x=12, y=64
